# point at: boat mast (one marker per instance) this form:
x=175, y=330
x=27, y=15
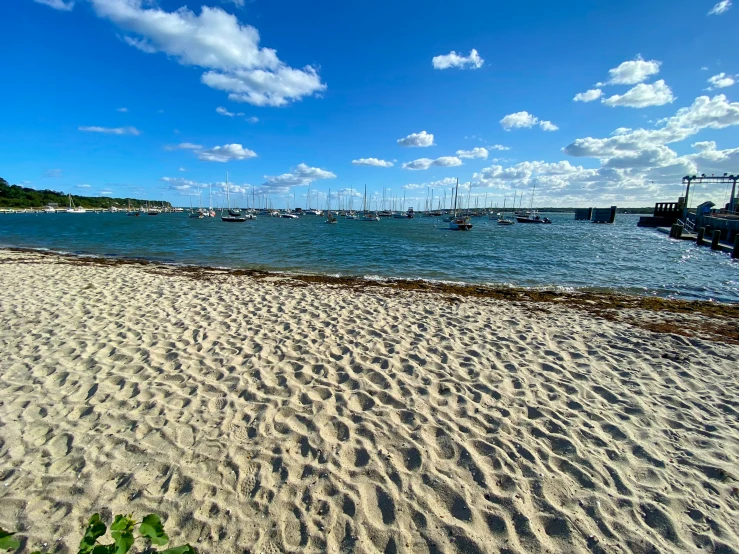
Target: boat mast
x=456, y=194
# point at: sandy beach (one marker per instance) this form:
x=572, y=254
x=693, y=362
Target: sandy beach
x=279, y=415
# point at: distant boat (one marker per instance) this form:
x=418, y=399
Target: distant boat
x=49, y=210
x=289, y=215
x=531, y=216
x=367, y=216
x=74, y=210
x=331, y=218
x=459, y=223
x=501, y=216
x=231, y=218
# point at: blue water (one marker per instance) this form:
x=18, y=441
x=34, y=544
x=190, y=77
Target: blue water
x=567, y=254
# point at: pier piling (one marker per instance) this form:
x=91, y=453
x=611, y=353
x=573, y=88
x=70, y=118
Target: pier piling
x=716, y=238
x=701, y=234
x=735, y=252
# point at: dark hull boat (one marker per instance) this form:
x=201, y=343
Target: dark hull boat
x=535, y=219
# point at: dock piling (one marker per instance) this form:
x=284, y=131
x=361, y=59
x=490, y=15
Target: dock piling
x=701, y=234
x=716, y=238
x=735, y=252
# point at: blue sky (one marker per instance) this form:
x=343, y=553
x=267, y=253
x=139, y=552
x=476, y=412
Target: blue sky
x=157, y=99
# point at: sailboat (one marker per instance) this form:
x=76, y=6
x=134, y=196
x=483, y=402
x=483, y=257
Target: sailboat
x=331, y=218
x=532, y=216
x=130, y=211
x=74, y=210
x=234, y=216
x=502, y=218
x=310, y=211
x=367, y=216
x=459, y=223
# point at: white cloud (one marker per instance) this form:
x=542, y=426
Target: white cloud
x=722, y=80
x=183, y=169
x=226, y=153
x=111, y=130
x=704, y=68
x=373, y=162
x=474, y=153
x=217, y=41
x=704, y=145
x=425, y=163
x=57, y=4
x=106, y=192
x=223, y=111
x=499, y=147
x=643, y=95
x=238, y=3
x=635, y=162
x=53, y=173
x=525, y=120
x=720, y=8
x=588, y=96
x=184, y=146
x=452, y=59
x=445, y=182
x=632, y=72
x=301, y=175
x=82, y=186
x=421, y=140
x=253, y=119
x=122, y=110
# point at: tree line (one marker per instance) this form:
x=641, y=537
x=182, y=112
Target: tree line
x=15, y=196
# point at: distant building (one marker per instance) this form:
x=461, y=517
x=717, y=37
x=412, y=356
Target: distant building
x=52, y=205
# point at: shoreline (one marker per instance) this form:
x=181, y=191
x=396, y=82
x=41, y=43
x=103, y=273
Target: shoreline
x=720, y=321
x=265, y=413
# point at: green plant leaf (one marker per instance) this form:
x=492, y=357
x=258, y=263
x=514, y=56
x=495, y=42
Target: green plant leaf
x=151, y=527
x=38, y=552
x=122, y=532
x=95, y=528
x=104, y=549
x=7, y=542
x=184, y=549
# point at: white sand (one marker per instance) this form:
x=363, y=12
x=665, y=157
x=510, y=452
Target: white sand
x=262, y=417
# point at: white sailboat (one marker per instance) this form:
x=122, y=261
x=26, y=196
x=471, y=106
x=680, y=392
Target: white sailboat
x=367, y=216
x=74, y=210
x=331, y=218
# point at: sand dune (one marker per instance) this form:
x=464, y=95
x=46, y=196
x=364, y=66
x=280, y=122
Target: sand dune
x=261, y=417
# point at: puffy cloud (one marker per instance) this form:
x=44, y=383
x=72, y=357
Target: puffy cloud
x=223, y=111
x=106, y=192
x=643, y=95
x=421, y=140
x=253, y=119
x=525, y=120
x=722, y=80
x=452, y=59
x=499, y=147
x=588, y=96
x=111, y=130
x=183, y=169
x=122, y=110
x=217, y=41
x=373, y=162
x=57, y=4
x=632, y=72
x=474, y=153
x=704, y=145
x=704, y=113
x=720, y=8
x=301, y=175
x=350, y=192
x=425, y=163
x=226, y=153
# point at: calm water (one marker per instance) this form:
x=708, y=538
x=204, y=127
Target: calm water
x=568, y=253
